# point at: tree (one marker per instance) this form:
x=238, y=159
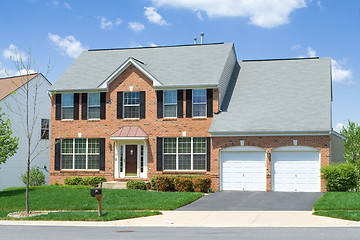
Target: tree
x=27, y=99
x=8, y=144
x=352, y=142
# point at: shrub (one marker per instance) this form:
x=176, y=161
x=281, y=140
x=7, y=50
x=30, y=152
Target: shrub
x=183, y=184
x=163, y=183
x=152, y=182
x=93, y=181
x=136, y=184
x=73, y=180
x=340, y=177
x=202, y=184
x=36, y=177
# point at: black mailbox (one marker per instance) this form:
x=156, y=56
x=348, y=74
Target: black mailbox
x=95, y=191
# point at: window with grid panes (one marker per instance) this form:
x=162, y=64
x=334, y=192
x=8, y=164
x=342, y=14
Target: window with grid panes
x=94, y=105
x=67, y=106
x=170, y=104
x=187, y=153
x=45, y=128
x=131, y=104
x=199, y=103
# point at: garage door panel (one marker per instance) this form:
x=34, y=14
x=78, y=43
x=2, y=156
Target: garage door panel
x=243, y=171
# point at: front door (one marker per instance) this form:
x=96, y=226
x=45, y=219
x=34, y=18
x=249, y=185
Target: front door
x=131, y=160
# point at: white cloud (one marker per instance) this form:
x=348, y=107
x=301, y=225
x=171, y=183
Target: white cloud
x=319, y=5
x=263, y=13
x=118, y=21
x=199, y=15
x=69, y=45
x=311, y=52
x=12, y=52
x=67, y=5
x=339, y=73
x=24, y=72
x=154, y=17
x=55, y=3
x=136, y=26
x=134, y=44
x=4, y=72
x=338, y=127
x=296, y=46
x=104, y=23
x=153, y=45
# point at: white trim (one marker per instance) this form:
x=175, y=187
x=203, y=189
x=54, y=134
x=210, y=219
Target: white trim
x=338, y=135
x=243, y=149
x=193, y=86
x=295, y=149
x=275, y=133
x=122, y=68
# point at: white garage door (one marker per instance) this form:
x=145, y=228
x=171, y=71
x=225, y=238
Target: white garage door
x=243, y=171
x=296, y=171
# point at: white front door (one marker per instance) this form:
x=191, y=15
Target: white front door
x=296, y=171
x=244, y=171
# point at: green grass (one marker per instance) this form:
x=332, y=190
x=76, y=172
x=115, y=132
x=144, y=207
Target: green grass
x=84, y=216
x=343, y=205
x=78, y=198
x=338, y=201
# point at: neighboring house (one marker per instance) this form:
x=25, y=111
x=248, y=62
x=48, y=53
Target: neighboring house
x=194, y=109
x=12, y=102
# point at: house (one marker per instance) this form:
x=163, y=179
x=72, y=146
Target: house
x=194, y=109
x=12, y=102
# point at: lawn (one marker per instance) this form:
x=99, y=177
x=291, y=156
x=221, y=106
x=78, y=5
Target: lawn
x=343, y=205
x=78, y=198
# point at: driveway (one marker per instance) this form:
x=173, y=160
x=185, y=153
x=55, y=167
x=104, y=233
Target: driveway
x=254, y=201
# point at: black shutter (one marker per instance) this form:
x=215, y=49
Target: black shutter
x=57, y=153
x=57, y=106
x=76, y=106
x=160, y=103
x=180, y=105
x=103, y=105
x=84, y=106
x=102, y=154
x=120, y=105
x=142, y=104
x=159, y=154
x=188, y=103
x=208, y=153
x=209, y=102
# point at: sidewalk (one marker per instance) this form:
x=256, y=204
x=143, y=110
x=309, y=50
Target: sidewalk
x=212, y=219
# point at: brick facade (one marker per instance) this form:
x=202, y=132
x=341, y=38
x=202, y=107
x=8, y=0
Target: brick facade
x=156, y=127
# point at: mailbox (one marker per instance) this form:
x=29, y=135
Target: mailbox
x=95, y=191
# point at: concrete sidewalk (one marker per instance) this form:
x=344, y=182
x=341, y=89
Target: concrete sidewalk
x=212, y=219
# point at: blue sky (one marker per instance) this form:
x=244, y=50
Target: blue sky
x=260, y=29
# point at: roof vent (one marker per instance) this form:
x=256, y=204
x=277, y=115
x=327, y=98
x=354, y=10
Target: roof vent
x=202, y=38
x=195, y=40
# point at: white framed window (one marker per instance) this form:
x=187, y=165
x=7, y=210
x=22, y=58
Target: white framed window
x=45, y=122
x=94, y=105
x=184, y=153
x=80, y=153
x=199, y=103
x=67, y=106
x=170, y=104
x=131, y=105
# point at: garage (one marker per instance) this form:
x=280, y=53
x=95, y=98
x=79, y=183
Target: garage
x=243, y=169
x=296, y=169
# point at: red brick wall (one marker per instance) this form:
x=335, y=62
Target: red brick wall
x=153, y=126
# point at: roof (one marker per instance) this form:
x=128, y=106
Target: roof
x=200, y=64
x=277, y=96
x=10, y=84
x=129, y=131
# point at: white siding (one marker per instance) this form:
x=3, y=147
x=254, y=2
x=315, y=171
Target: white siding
x=16, y=165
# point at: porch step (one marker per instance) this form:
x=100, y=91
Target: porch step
x=114, y=185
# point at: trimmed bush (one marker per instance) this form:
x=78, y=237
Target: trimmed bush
x=136, y=184
x=36, y=177
x=183, y=184
x=341, y=177
x=163, y=183
x=202, y=184
x=73, y=180
x=172, y=185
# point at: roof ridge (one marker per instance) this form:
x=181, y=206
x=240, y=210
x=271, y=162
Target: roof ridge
x=3, y=78
x=183, y=45
x=279, y=59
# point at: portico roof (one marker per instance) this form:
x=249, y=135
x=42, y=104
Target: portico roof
x=129, y=132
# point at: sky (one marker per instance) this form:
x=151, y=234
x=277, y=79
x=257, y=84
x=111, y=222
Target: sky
x=57, y=31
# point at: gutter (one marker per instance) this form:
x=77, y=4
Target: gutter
x=269, y=133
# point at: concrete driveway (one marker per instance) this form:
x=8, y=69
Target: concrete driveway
x=254, y=201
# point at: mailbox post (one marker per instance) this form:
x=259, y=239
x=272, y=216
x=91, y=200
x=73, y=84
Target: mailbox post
x=97, y=192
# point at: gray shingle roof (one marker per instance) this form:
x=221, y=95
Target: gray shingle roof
x=277, y=96
x=176, y=65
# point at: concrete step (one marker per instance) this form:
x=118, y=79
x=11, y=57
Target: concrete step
x=114, y=185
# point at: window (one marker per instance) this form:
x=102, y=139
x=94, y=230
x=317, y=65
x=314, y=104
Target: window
x=170, y=104
x=185, y=153
x=45, y=128
x=199, y=103
x=94, y=105
x=131, y=104
x=80, y=153
x=68, y=106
